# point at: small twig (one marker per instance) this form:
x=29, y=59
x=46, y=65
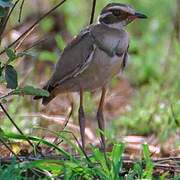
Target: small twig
x=2, y=141
x=93, y=11
x=12, y=121
x=38, y=144
x=66, y=121
x=167, y=167
x=7, y=95
x=34, y=24
x=20, y=12
x=23, y=39
x=35, y=44
x=167, y=159
x=68, y=117
x=79, y=144
x=69, y=132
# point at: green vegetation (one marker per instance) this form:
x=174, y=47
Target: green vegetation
x=152, y=74
x=66, y=166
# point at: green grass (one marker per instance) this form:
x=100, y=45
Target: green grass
x=68, y=166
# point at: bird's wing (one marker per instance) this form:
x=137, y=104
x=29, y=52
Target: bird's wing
x=74, y=59
x=110, y=40
x=125, y=58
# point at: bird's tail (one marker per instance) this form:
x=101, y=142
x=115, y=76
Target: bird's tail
x=46, y=100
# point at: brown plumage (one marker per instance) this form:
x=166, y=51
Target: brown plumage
x=89, y=62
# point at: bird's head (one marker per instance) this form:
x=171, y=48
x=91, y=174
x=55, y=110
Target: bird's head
x=117, y=14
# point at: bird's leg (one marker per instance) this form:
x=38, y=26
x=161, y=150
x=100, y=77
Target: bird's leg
x=100, y=118
x=82, y=119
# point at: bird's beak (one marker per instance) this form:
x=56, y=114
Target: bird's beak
x=140, y=15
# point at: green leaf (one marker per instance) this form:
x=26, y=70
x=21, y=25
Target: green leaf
x=5, y=3
x=117, y=152
x=11, y=77
x=136, y=172
x=138, y=169
x=60, y=42
x=30, y=90
x=48, y=56
x=55, y=166
x=149, y=164
x=99, y=156
x=11, y=54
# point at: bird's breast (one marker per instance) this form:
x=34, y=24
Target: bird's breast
x=101, y=69
x=107, y=66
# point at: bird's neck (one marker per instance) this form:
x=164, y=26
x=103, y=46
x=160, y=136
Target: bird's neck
x=117, y=25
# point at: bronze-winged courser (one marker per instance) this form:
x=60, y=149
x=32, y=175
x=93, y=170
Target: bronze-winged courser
x=92, y=58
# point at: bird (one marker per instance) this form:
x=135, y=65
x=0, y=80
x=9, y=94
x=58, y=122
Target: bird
x=97, y=54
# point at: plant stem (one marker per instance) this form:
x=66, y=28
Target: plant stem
x=93, y=11
x=34, y=24
x=16, y=126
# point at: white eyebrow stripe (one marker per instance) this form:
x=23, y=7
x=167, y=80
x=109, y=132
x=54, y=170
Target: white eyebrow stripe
x=105, y=14
x=118, y=7
x=122, y=8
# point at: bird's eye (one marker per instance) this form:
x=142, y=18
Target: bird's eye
x=116, y=12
